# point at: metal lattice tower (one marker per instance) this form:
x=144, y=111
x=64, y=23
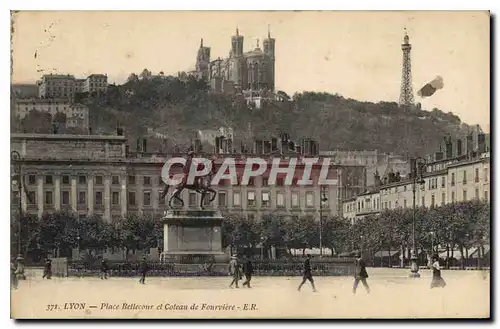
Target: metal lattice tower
x=406, y=96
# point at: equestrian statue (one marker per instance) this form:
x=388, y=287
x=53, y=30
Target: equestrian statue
x=201, y=184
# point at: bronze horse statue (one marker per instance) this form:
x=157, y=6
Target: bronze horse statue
x=201, y=185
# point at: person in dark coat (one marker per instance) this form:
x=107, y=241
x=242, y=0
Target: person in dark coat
x=307, y=274
x=360, y=274
x=13, y=276
x=20, y=268
x=437, y=280
x=143, y=268
x=47, y=269
x=104, y=269
x=234, y=268
x=248, y=271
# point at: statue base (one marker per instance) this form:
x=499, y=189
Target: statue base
x=193, y=237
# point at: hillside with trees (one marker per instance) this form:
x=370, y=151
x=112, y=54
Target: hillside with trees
x=180, y=107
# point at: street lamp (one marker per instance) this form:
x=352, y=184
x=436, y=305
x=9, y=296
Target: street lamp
x=417, y=166
x=18, y=179
x=323, y=200
x=432, y=242
x=361, y=247
x=261, y=248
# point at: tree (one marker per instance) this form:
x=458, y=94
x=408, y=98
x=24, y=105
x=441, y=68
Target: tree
x=273, y=231
x=37, y=122
x=302, y=233
x=26, y=230
x=336, y=234
x=145, y=75
x=132, y=78
x=239, y=231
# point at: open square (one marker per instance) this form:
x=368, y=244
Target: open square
x=393, y=295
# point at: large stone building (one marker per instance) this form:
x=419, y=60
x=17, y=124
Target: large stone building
x=77, y=115
x=250, y=73
x=91, y=174
x=66, y=86
x=450, y=177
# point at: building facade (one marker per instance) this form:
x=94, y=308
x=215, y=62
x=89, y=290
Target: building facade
x=91, y=174
x=57, y=86
x=445, y=181
x=66, y=86
x=77, y=115
x=96, y=83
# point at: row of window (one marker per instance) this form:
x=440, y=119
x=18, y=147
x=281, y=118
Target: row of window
x=192, y=200
x=476, y=176
x=433, y=182
x=388, y=204
x=132, y=180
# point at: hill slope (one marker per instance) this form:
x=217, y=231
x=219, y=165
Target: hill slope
x=180, y=108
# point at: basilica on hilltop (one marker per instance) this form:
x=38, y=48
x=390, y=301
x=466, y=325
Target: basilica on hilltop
x=250, y=73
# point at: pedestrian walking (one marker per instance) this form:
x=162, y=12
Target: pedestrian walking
x=234, y=268
x=360, y=274
x=47, y=269
x=13, y=276
x=437, y=280
x=307, y=273
x=143, y=268
x=248, y=271
x=20, y=268
x=104, y=269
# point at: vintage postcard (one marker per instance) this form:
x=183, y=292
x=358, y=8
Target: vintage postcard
x=225, y=165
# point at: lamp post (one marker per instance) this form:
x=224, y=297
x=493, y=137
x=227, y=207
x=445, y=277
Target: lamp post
x=432, y=242
x=18, y=179
x=261, y=248
x=417, y=166
x=323, y=199
x=361, y=246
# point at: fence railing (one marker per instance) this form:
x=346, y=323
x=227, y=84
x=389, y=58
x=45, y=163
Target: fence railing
x=264, y=268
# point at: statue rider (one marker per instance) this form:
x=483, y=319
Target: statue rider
x=187, y=168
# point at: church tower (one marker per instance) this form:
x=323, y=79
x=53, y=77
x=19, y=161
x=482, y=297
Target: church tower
x=203, y=62
x=237, y=60
x=269, y=50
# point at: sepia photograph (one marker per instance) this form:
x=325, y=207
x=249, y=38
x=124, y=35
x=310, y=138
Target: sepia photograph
x=250, y=165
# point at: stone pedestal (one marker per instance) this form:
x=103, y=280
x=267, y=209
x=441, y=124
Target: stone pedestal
x=193, y=236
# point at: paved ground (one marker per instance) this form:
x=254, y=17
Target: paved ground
x=393, y=295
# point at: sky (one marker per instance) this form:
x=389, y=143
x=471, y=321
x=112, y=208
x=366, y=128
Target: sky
x=355, y=54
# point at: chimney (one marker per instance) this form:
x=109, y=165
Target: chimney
x=197, y=145
x=376, y=176
x=217, y=145
x=459, y=147
x=283, y=144
x=274, y=144
x=223, y=145
x=413, y=168
x=469, y=145
x=144, y=145
x=119, y=131
x=481, y=143
x=267, y=147
x=448, y=148
x=438, y=156
x=138, y=146
x=258, y=146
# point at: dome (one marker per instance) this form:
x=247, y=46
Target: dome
x=257, y=52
